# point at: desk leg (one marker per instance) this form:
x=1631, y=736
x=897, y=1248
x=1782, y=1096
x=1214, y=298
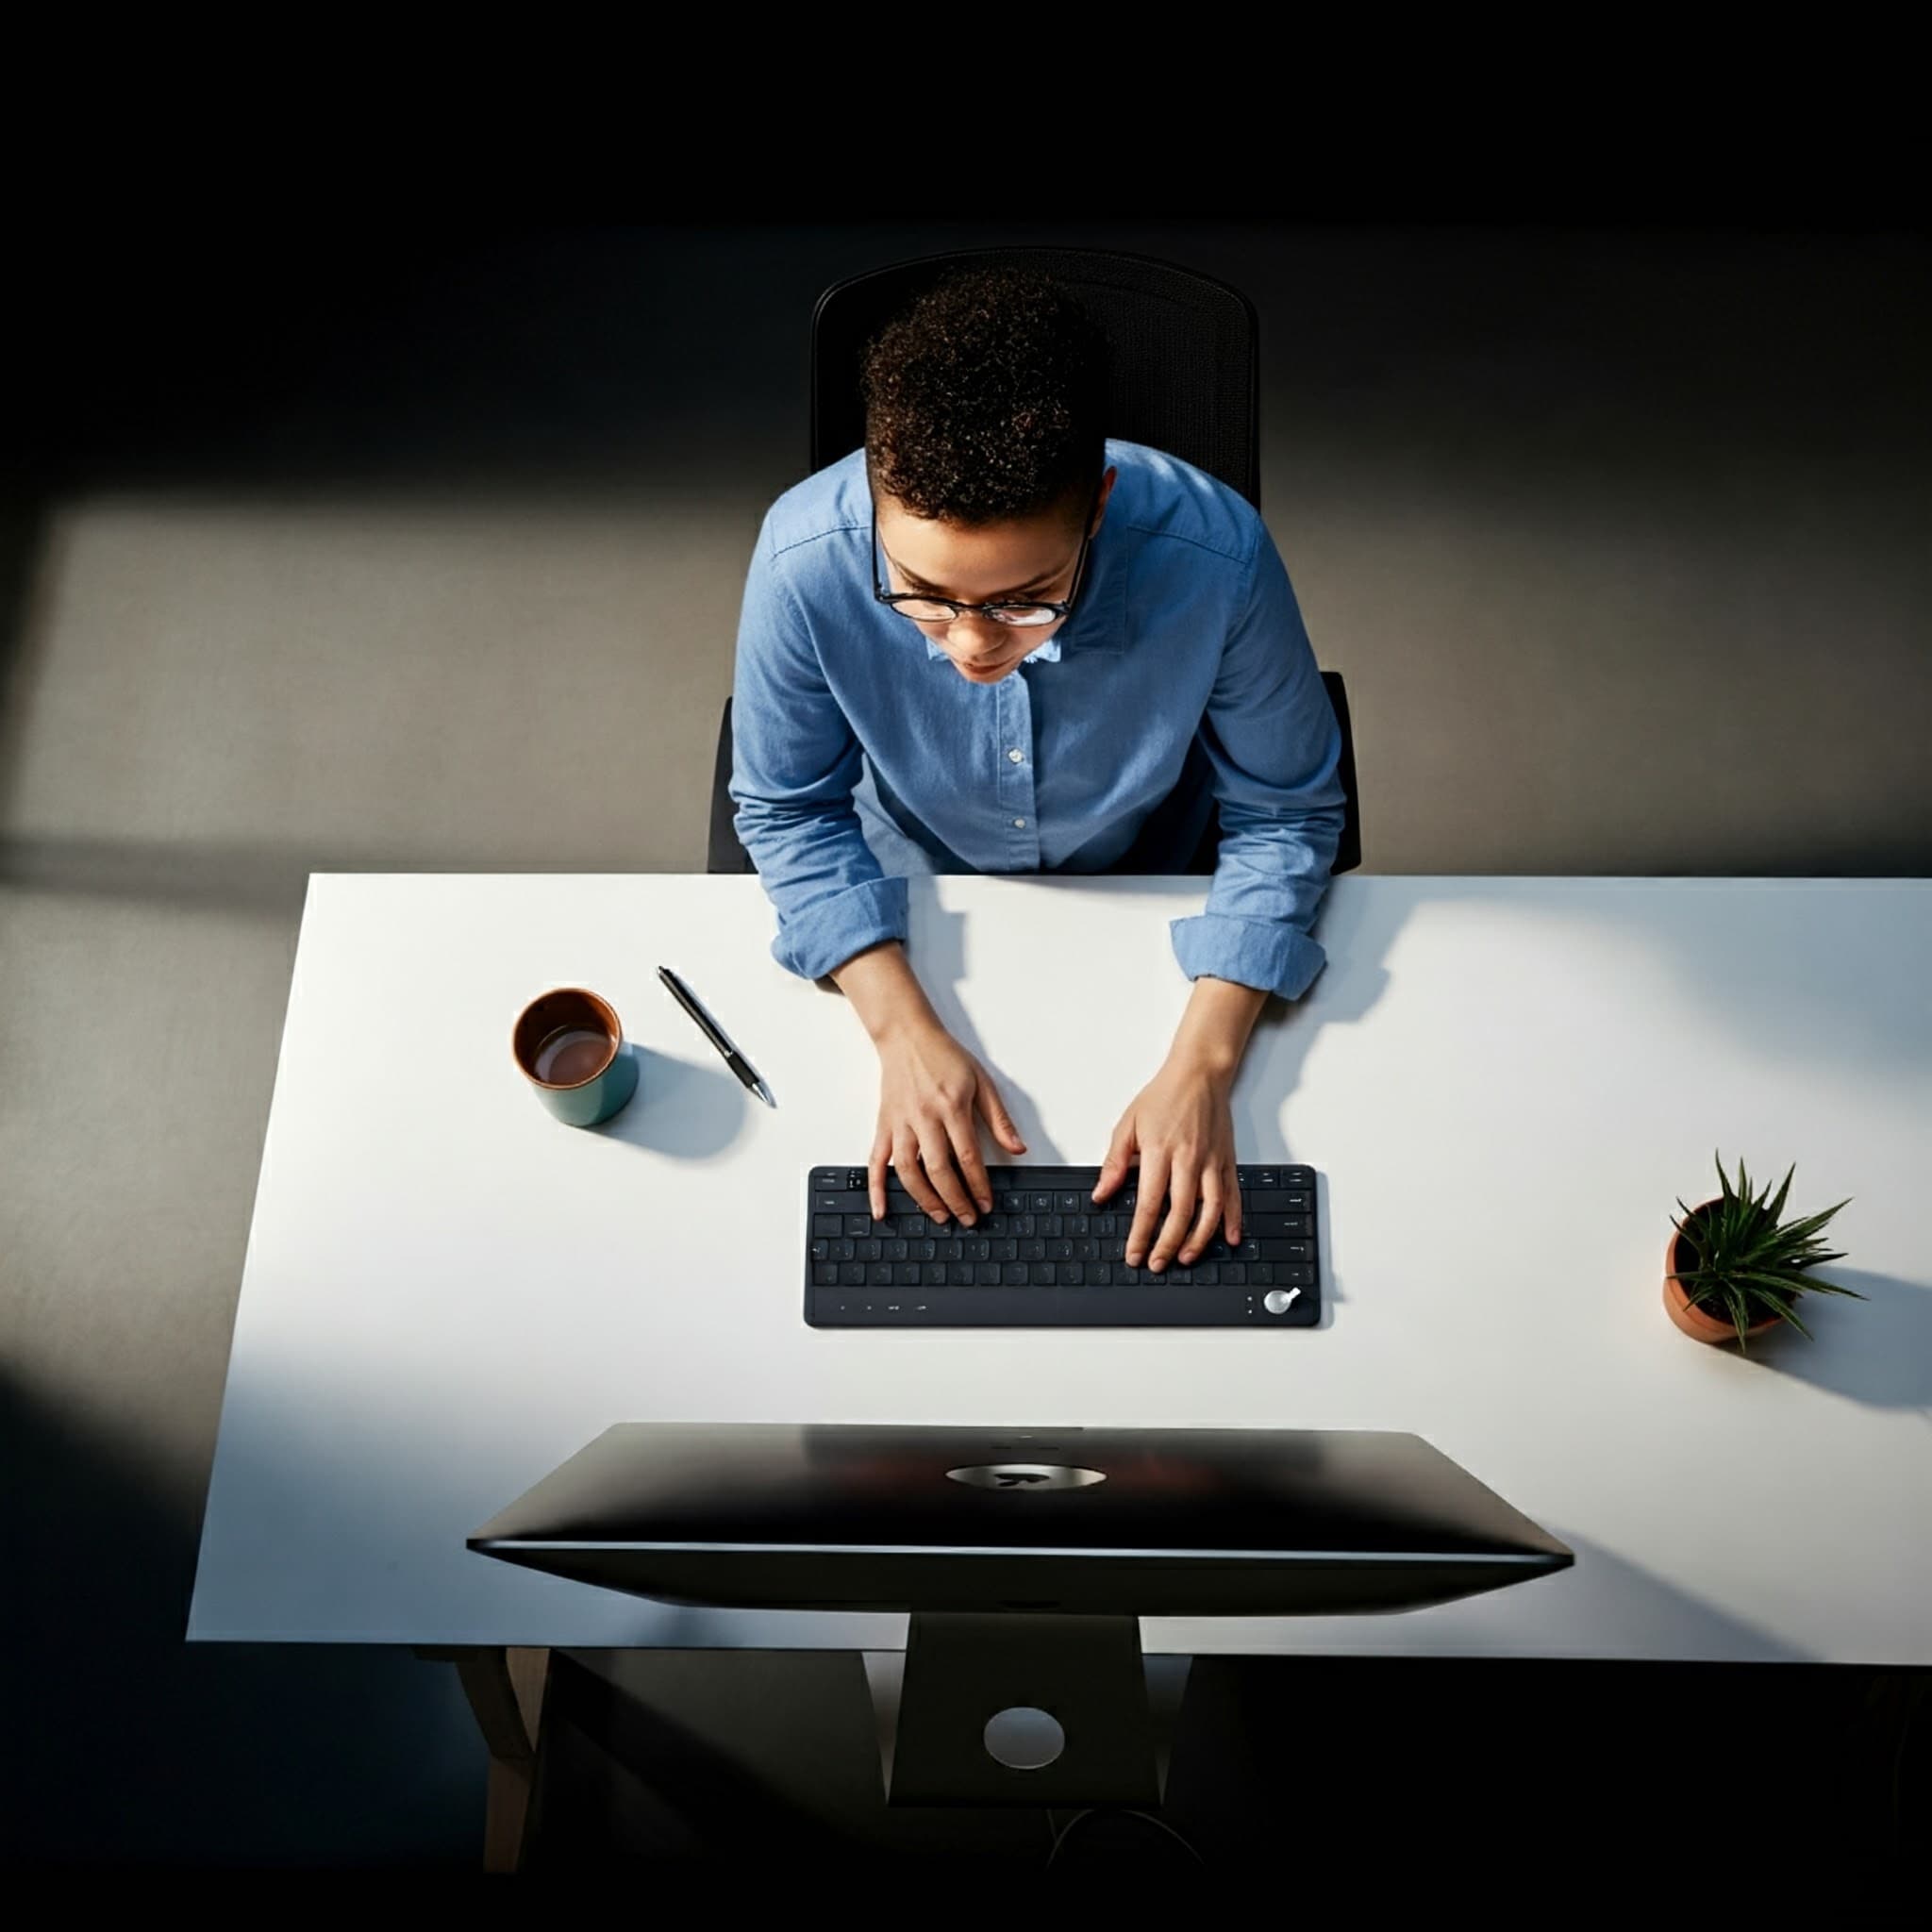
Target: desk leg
x=506, y=1692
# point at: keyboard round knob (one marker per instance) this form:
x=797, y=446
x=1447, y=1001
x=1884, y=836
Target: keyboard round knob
x=1278, y=1301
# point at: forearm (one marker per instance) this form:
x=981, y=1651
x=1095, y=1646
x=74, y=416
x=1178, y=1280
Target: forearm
x=885, y=992
x=1213, y=1032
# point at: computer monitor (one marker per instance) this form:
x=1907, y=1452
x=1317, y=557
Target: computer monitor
x=1194, y=1523
x=1025, y=1557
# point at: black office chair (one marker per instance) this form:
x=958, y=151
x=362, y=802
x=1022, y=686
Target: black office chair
x=1185, y=380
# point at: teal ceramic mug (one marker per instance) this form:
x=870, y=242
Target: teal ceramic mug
x=570, y=1047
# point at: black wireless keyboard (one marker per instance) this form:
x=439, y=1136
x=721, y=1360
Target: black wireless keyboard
x=1047, y=1257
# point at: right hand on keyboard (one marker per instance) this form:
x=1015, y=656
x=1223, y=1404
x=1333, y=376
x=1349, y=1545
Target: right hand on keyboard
x=932, y=1095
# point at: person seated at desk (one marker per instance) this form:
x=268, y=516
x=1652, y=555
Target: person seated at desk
x=992, y=641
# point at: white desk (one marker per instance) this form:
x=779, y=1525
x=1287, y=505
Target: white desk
x=1502, y=1082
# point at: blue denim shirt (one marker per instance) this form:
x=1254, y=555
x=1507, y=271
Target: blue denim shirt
x=860, y=756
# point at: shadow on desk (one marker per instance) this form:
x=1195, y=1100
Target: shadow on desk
x=681, y=1108
x=1356, y=927
x=940, y=952
x=1877, y=1351
x=1629, y=1607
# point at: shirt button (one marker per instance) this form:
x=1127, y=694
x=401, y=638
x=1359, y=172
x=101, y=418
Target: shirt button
x=1018, y=757
x=1019, y=824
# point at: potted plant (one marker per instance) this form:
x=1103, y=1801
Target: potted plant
x=1733, y=1269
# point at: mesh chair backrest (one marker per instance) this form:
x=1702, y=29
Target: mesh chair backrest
x=1184, y=374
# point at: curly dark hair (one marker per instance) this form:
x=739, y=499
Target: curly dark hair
x=984, y=400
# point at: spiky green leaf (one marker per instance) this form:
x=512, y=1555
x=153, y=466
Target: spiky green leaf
x=1749, y=1262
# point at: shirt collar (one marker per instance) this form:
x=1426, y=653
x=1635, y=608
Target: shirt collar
x=1049, y=653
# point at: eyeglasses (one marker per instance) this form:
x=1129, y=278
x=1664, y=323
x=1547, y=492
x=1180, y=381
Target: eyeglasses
x=922, y=608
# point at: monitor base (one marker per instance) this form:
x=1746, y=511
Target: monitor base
x=1023, y=1707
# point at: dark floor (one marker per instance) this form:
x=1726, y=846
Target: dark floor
x=371, y=550
x=1345, y=1784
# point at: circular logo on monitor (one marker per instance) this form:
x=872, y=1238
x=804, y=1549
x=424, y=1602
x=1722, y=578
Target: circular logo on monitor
x=1025, y=1476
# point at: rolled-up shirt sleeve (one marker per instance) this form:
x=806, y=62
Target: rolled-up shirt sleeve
x=795, y=763
x=1271, y=735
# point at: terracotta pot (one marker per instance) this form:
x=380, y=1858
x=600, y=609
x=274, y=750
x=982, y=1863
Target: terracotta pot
x=1695, y=1322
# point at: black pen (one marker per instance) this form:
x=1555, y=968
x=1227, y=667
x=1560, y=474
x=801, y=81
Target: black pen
x=748, y=1075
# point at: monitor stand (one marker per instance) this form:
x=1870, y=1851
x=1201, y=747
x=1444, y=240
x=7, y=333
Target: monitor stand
x=1023, y=1707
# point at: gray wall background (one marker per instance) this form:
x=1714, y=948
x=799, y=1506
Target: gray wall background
x=416, y=555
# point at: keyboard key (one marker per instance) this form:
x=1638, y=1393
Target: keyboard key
x=1069, y=1203
x=997, y=1225
x=1180, y=1277
x=1277, y=1251
x=857, y=1225
x=1297, y=1176
x=1045, y=1274
x=878, y=1274
x=1087, y=1250
x=897, y=1251
x=954, y=1250
x=1033, y=1251
x=1104, y=1224
x=1234, y=1274
x=987, y=1274
x=1267, y=1176
x=1053, y=1227
x=852, y=1274
x=872, y=1251
x=1022, y=1225
x=979, y=1249
x=1072, y=1276
x=856, y=1179
x=822, y=1251
x=1013, y=1274
x=1099, y=1274
x=828, y=1224
x=958, y=1274
x=1007, y=1250
x=1077, y=1223
x=1059, y=1251
x=1277, y=1226
x=844, y=1250
x=1127, y=1278
x=905, y=1275
x=1042, y=1203
x=824, y=1274
x=1276, y=1201
x=932, y=1274
x=1262, y=1274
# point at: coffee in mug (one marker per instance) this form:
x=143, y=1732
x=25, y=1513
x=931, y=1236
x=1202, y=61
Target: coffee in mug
x=571, y=1048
